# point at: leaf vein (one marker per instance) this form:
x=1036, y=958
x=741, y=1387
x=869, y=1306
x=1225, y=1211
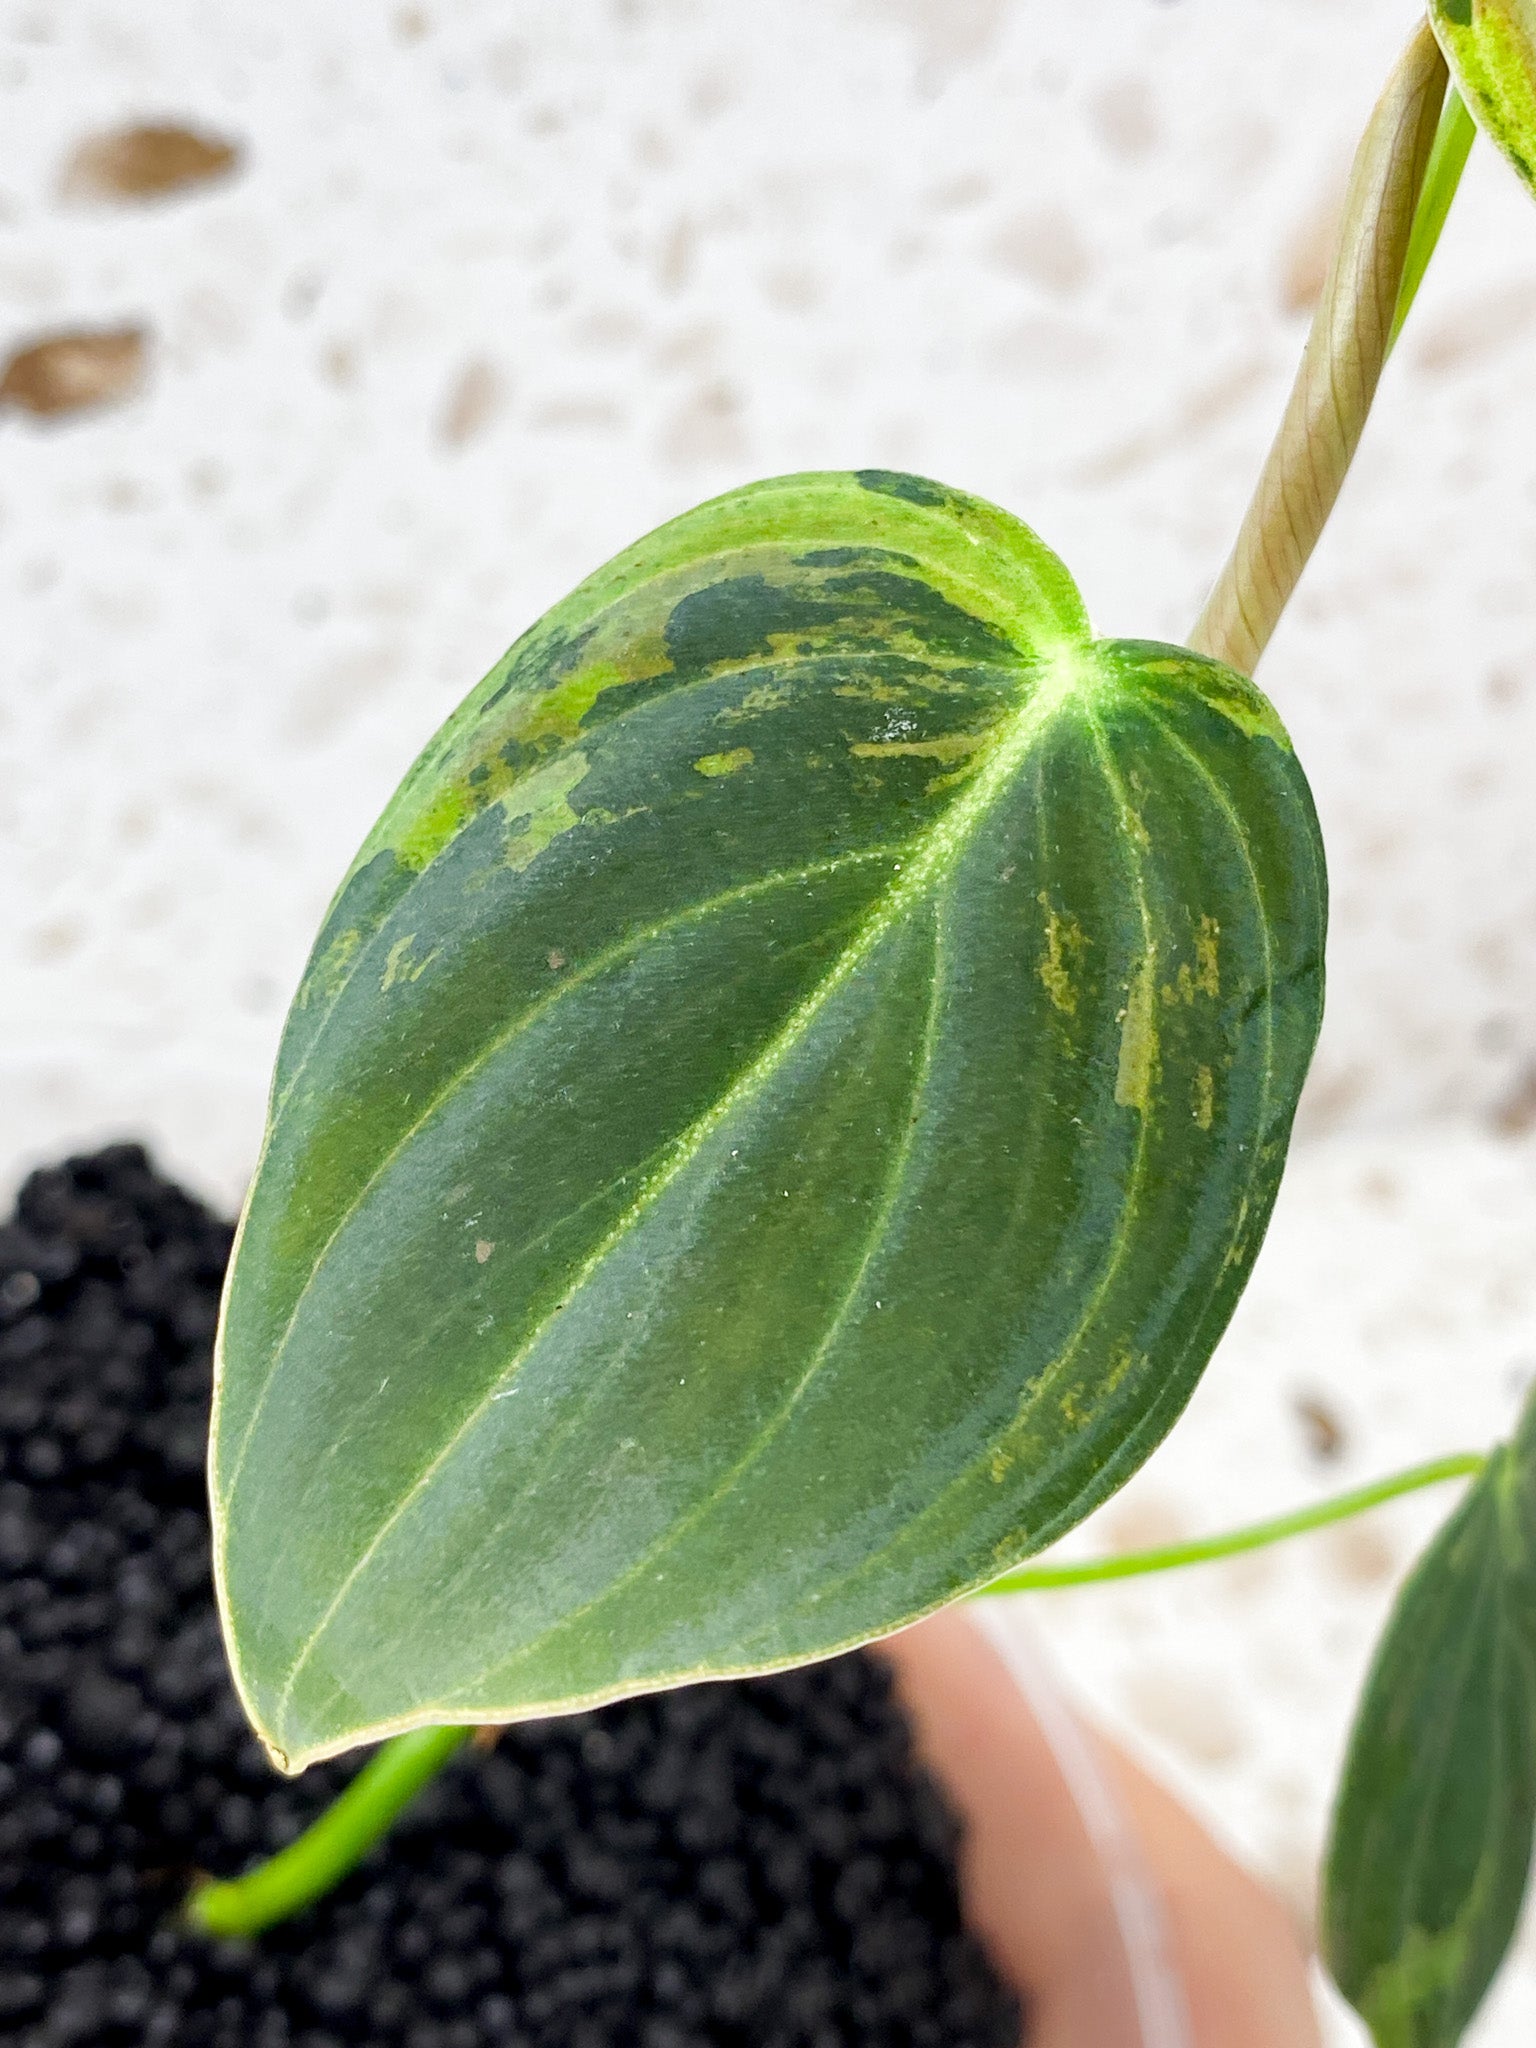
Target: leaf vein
x=498, y=1043
x=943, y=839
x=779, y=1421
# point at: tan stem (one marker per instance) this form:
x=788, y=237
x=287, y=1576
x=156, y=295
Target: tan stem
x=1339, y=370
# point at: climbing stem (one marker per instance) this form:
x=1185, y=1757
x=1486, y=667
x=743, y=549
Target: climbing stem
x=1340, y=367
x=1447, y=161
x=307, y=1869
x=1034, y=1578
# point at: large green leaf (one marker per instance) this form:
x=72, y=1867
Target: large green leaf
x=1432, y=1835
x=1490, y=46
x=774, y=1124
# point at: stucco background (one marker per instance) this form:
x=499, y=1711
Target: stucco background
x=496, y=288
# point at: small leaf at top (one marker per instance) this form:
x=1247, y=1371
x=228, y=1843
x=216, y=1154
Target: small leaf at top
x=775, y=1122
x=1490, y=46
x=1432, y=1834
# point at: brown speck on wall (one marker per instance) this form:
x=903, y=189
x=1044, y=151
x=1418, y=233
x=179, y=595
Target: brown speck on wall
x=1516, y=1113
x=1360, y=1554
x=1322, y=1427
x=1305, y=258
x=1142, y=1521
x=145, y=162
x=73, y=371
x=473, y=400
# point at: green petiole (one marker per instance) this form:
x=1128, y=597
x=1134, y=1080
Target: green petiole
x=1040, y=1578
x=1442, y=174
x=336, y=1843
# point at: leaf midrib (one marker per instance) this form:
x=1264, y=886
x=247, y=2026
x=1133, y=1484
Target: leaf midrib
x=1116, y=1254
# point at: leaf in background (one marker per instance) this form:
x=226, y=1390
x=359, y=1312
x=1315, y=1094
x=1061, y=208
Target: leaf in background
x=1490, y=46
x=1432, y=1834
x=773, y=1126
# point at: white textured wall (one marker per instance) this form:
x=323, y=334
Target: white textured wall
x=500, y=286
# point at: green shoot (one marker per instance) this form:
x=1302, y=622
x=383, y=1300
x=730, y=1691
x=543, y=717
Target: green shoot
x=1447, y=160
x=335, y=1844
x=1040, y=1578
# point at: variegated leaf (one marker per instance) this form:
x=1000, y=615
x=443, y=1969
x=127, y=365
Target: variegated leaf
x=775, y=1122
x=1490, y=46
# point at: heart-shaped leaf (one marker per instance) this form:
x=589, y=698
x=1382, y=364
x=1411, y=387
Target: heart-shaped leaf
x=773, y=1126
x=1490, y=46
x=1432, y=1834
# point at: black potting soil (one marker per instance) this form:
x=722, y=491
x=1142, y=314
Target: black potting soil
x=736, y=1864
